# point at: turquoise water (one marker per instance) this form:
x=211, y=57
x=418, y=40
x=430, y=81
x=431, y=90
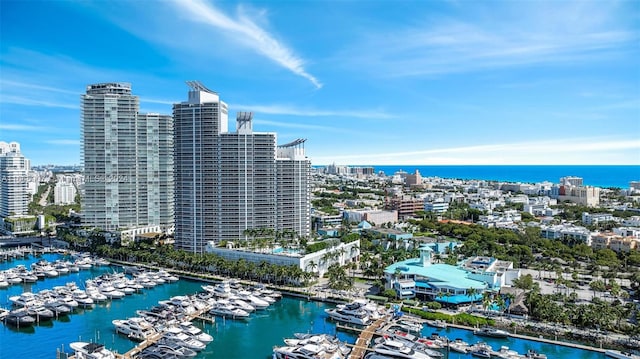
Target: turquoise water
x=253, y=338
x=599, y=176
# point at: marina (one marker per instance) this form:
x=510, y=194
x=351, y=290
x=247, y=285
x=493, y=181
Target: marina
x=267, y=328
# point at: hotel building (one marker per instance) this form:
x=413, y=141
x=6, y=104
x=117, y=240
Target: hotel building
x=14, y=170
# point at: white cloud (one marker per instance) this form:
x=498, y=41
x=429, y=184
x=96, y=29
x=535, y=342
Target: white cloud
x=295, y=111
x=588, y=151
x=246, y=31
x=64, y=142
x=18, y=127
x=26, y=101
x=533, y=33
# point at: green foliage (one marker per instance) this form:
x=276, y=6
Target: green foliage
x=315, y=247
x=389, y=293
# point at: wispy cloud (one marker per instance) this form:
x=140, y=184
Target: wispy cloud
x=245, y=30
x=64, y=142
x=534, y=34
x=26, y=101
x=21, y=128
x=594, y=150
x=304, y=126
x=296, y=111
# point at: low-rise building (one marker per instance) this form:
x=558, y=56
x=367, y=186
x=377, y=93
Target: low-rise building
x=448, y=284
x=592, y=219
x=566, y=232
x=316, y=262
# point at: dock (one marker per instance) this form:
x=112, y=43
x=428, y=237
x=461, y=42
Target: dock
x=362, y=344
x=154, y=338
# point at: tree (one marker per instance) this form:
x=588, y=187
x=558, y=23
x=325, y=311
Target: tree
x=471, y=293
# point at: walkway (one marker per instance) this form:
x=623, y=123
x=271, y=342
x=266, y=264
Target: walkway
x=362, y=344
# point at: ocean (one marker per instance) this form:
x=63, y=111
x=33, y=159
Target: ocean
x=250, y=339
x=598, y=176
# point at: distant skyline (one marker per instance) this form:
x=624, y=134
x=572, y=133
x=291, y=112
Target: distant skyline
x=366, y=82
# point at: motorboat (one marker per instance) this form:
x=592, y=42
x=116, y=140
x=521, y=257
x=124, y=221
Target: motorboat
x=491, y=332
x=176, y=335
x=421, y=344
x=57, y=307
x=505, y=353
x=19, y=318
x=111, y=292
x=228, y=311
x=40, y=312
x=308, y=351
x=84, y=350
x=481, y=350
x=82, y=298
x=135, y=328
x=3, y=281
x=167, y=350
x=617, y=354
x=438, y=323
x=535, y=355
x=243, y=305
x=397, y=349
x=459, y=346
x=353, y=317
x=254, y=301
x=26, y=299
x=196, y=332
x=411, y=326
x=95, y=295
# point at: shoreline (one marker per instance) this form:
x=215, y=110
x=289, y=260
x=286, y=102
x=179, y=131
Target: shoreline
x=312, y=297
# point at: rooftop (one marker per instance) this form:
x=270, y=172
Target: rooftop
x=437, y=274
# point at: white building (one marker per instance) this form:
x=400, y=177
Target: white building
x=566, y=232
x=316, y=262
x=64, y=193
x=228, y=182
x=436, y=206
x=14, y=170
x=595, y=218
x=127, y=158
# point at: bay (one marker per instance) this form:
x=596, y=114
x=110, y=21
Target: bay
x=250, y=339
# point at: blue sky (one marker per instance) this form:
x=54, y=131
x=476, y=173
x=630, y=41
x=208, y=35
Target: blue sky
x=366, y=82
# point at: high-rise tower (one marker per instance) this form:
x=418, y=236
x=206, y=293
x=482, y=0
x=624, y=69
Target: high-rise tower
x=227, y=182
x=14, y=168
x=127, y=160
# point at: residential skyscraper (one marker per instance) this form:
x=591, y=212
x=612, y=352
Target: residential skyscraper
x=228, y=182
x=14, y=169
x=127, y=161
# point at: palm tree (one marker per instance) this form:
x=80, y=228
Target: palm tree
x=471, y=293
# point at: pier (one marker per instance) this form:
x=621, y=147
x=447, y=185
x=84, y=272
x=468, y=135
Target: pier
x=362, y=344
x=154, y=338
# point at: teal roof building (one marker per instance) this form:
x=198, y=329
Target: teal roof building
x=448, y=284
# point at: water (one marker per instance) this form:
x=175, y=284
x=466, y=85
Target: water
x=599, y=176
x=250, y=339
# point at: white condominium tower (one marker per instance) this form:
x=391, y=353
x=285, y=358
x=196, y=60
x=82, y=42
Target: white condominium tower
x=227, y=182
x=127, y=158
x=14, y=168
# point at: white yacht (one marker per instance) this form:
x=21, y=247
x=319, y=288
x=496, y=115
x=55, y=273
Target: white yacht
x=82, y=298
x=95, y=295
x=308, y=351
x=110, y=291
x=348, y=316
x=196, y=332
x=177, y=336
x=135, y=328
x=397, y=349
x=26, y=299
x=84, y=350
x=254, y=301
x=228, y=311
